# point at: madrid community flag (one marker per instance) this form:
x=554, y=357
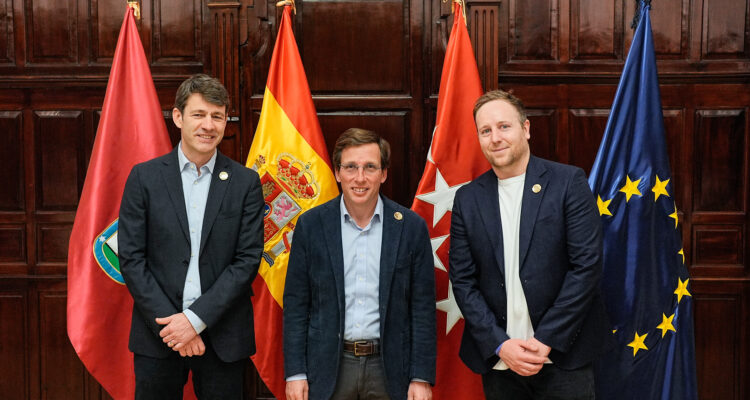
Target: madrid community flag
x=454, y=159
x=131, y=130
x=290, y=155
x=645, y=282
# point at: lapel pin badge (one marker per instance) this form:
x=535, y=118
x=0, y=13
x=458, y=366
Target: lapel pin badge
x=536, y=188
x=398, y=216
x=223, y=175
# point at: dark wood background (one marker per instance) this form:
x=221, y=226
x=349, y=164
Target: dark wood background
x=374, y=64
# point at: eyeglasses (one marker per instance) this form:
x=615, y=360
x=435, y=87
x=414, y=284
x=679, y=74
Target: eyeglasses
x=352, y=169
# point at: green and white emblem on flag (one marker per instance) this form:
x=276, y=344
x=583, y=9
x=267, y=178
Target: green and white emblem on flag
x=105, y=253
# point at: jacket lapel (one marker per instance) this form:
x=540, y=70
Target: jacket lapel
x=173, y=181
x=331, y=223
x=216, y=193
x=389, y=250
x=535, y=175
x=489, y=210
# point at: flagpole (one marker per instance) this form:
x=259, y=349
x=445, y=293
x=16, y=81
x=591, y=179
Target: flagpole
x=285, y=3
x=136, y=8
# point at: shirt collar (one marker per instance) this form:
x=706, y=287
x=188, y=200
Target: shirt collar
x=345, y=217
x=184, y=162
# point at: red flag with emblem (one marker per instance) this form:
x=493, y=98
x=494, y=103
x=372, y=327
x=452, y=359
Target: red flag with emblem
x=131, y=130
x=290, y=155
x=454, y=159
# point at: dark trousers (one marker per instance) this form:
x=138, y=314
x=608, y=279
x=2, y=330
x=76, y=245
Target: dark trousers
x=360, y=378
x=551, y=383
x=164, y=378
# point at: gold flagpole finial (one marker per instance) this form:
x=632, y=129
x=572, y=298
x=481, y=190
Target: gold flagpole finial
x=284, y=3
x=136, y=9
x=461, y=3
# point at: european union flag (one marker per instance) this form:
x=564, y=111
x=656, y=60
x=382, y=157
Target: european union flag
x=645, y=281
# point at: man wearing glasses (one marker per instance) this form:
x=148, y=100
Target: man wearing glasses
x=359, y=301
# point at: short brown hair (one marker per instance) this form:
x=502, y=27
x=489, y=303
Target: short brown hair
x=210, y=88
x=357, y=137
x=501, y=95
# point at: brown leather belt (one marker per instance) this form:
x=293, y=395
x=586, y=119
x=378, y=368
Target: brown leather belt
x=362, y=348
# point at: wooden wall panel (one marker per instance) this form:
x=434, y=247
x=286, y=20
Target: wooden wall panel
x=544, y=133
x=370, y=54
x=177, y=31
x=11, y=152
x=533, y=34
x=58, y=139
x=719, y=157
x=52, y=29
x=104, y=25
x=12, y=244
x=484, y=34
x=13, y=345
x=7, y=51
x=586, y=128
x=670, y=29
x=596, y=29
x=60, y=369
x=719, y=244
x=725, y=29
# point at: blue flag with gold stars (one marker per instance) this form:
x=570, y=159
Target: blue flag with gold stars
x=645, y=281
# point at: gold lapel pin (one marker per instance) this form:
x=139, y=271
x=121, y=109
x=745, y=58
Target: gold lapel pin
x=536, y=188
x=398, y=216
x=223, y=175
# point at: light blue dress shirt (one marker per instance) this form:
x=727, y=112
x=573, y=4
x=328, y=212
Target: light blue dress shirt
x=195, y=189
x=362, y=274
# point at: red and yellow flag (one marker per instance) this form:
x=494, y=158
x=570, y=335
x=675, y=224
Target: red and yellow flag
x=131, y=130
x=290, y=155
x=454, y=159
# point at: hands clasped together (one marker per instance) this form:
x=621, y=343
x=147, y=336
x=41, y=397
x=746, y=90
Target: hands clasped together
x=524, y=357
x=180, y=335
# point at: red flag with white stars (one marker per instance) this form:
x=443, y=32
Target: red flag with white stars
x=454, y=159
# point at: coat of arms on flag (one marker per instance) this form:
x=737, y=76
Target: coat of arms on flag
x=105, y=252
x=293, y=181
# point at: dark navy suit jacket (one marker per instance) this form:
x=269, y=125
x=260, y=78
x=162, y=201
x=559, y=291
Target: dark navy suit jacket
x=314, y=300
x=154, y=252
x=560, y=265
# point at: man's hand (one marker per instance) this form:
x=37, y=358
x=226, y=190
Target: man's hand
x=521, y=357
x=296, y=390
x=419, y=391
x=543, y=349
x=195, y=347
x=177, y=332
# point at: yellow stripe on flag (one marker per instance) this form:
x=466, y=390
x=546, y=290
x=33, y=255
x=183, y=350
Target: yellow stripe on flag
x=277, y=141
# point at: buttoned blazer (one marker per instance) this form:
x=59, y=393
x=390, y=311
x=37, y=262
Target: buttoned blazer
x=154, y=252
x=314, y=301
x=560, y=262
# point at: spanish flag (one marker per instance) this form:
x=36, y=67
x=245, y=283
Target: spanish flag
x=290, y=155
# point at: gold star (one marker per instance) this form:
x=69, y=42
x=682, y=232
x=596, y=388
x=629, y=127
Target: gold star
x=637, y=343
x=603, y=206
x=666, y=324
x=682, y=289
x=660, y=188
x=614, y=331
x=674, y=216
x=630, y=188
x=682, y=253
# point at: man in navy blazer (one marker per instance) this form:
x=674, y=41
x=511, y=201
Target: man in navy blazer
x=190, y=239
x=359, y=300
x=525, y=263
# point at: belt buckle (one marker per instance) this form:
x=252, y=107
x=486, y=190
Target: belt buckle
x=356, y=348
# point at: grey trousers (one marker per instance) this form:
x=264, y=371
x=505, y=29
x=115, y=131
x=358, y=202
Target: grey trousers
x=360, y=378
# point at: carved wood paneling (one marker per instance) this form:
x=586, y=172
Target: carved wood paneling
x=60, y=368
x=52, y=31
x=177, y=30
x=483, y=20
x=544, y=133
x=534, y=30
x=58, y=139
x=725, y=29
x=11, y=152
x=104, y=27
x=596, y=30
x=367, y=52
x=52, y=240
x=586, y=127
x=669, y=24
x=12, y=244
x=225, y=51
x=719, y=157
x=7, y=50
x=719, y=244
x=13, y=344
